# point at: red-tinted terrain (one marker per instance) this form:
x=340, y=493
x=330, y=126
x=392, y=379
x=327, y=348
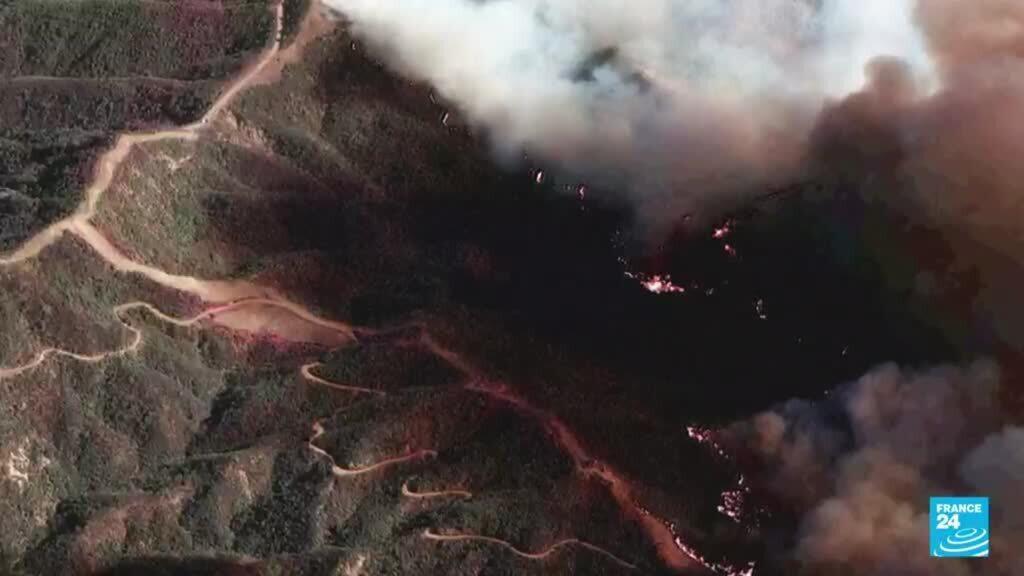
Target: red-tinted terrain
x=269, y=308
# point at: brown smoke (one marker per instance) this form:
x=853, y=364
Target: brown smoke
x=968, y=33
x=945, y=155
x=859, y=468
x=962, y=141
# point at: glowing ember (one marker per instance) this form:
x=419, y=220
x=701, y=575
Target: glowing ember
x=732, y=504
x=657, y=283
x=705, y=437
x=722, y=231
x=540, y=176
x=733, y=501
x=714, y=567
x=730, y=250
x=581, y=192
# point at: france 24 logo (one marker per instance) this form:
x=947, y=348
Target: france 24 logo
x=958, y=527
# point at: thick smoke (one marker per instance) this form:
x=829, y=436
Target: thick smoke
x=686, y=102
x=961, y=143
x=946, y=158
x=859, y=468
x=679, y=101
x=951, y=149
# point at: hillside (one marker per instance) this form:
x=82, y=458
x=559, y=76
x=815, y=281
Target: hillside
x=73, y=74
x=276, y=310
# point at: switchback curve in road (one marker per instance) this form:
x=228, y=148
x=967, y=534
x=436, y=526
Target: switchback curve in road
x=541, y=555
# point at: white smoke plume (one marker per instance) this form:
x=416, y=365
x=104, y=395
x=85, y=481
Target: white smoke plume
x=859, y=469
x=677, y=100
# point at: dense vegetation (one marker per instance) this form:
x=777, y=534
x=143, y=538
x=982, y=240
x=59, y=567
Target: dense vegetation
x=294, y=11
x=117, y=38
x=41, y=175
x=73, y=74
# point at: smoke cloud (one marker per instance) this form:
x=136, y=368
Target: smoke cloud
x=858, y=469
x=951, y=149
x=687, y=102
x=677, y=101
x=946, y=158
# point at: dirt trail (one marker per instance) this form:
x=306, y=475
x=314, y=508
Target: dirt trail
x=543, y=554
x=134, y=342
x=109, y=162
x=318, y=431
x=314, y=24
x=207, y=290
x=307, y=373
x=106, y=169
x=417, y=455
x=659, y=531
x=294, y=324
x=235, y=296
x=457, y=493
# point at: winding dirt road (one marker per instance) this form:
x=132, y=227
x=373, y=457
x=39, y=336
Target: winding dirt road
x=542, y=555
x=109, y=162
x=453, y=493
x=307, y=373
x=133, y=342
x=318, y=431
x=676, y=556
x=231, y=297
x=658, y=530
x=417, y=455
x=210, y=291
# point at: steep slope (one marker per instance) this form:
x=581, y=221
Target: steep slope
x=310, y=327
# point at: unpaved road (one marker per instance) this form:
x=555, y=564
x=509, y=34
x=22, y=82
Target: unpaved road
x=231, y=297
x=307, y=373
x=659, y=531
x=453, y=493
x=257, y=299
x=133, y=342
x=318, y=431
x=542, y=555
x=109, y=162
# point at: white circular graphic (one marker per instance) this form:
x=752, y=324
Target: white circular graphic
x=966, y=542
